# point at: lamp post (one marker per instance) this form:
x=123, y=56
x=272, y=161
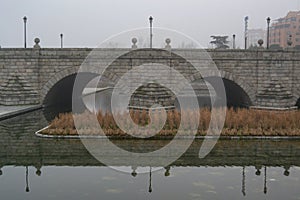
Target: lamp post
x=25, y=21
x=61, y=40
x=246, y=31
x=233, y=43
x=268, y=32
x=151, y=35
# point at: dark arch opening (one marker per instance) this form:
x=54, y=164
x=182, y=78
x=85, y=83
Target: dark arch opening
x=235, y=95
x=298, y=103
x=61, y=93
x=59, y=97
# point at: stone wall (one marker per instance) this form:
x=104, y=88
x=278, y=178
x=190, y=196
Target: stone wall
x=273, y=76
x=270, y=78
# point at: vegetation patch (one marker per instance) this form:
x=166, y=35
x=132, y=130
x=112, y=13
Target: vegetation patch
x=238, y=122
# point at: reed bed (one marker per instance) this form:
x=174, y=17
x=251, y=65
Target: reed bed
x=238, y=122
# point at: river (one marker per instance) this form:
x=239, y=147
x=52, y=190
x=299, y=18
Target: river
x=38, y=168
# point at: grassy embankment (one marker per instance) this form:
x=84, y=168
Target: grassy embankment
x=240, y=122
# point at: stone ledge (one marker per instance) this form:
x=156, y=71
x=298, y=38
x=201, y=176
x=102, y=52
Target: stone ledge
x=273, y=108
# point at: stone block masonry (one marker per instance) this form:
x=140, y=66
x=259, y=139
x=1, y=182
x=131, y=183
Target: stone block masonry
x=270, y=78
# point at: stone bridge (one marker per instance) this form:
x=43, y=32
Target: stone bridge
x=258, y=78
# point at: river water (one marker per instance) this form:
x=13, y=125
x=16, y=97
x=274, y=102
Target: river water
x=38, y=168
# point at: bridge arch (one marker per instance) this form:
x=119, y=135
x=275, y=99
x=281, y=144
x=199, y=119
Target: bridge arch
x=58, y=90
x=297, y=102
x=55, y=79
x=249, y=91
x=193, y=75
x=233, y=82
x=296, y=98
x=245, y=86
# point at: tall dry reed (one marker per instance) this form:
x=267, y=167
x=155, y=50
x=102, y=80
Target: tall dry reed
x=237, y=122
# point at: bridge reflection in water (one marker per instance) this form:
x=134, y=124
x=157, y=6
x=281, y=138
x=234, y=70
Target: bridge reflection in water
x=21, y=148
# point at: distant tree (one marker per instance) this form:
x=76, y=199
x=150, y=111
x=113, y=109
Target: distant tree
x=220, y=42
x=190, y=45
x=253, y=46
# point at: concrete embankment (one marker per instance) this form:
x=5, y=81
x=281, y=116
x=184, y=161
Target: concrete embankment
x=12, y=111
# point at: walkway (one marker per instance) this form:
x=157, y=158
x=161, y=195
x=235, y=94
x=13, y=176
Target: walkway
x=11, y=111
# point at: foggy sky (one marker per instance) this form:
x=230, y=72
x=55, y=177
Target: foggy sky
x=85, y=23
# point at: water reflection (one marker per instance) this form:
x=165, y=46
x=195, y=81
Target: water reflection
x=209, y=182
x=235, y=168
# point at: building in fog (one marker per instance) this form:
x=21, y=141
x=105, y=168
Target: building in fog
x=254, y=35
x=285, y=29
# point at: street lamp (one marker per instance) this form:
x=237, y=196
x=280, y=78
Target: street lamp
x=268, y=32
x=61, y=40
x=233, y=43
x=151, y=35
x=246, y=30
x=25, y=21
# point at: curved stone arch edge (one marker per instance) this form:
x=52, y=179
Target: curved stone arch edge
x=224, y=74
x=55, y=79
x=296, y=97
x=231, y=77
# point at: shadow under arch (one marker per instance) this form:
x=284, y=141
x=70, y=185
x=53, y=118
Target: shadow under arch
x=58, y=98
x=236, y=96
x=60, y=94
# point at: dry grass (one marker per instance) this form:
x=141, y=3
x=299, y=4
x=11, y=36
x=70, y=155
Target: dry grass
x=238, y=122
